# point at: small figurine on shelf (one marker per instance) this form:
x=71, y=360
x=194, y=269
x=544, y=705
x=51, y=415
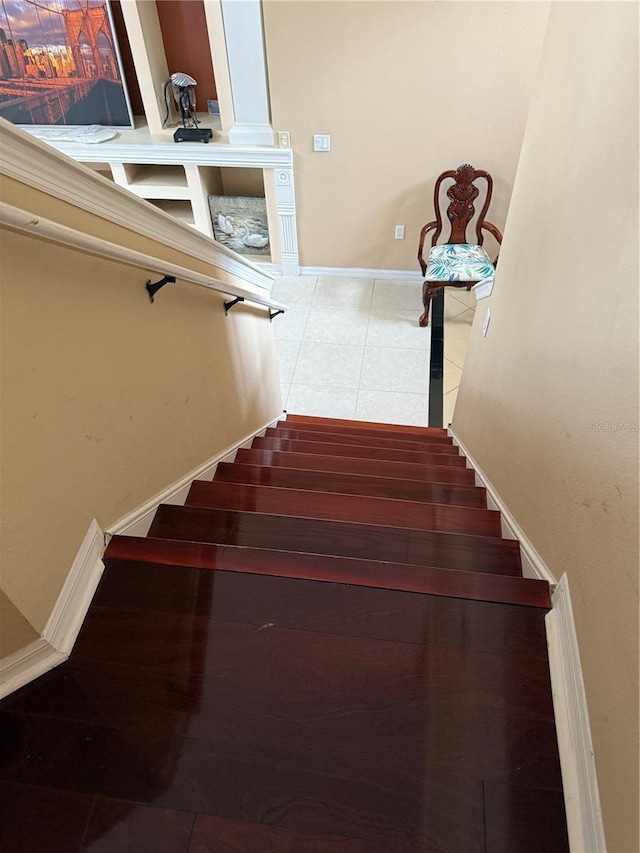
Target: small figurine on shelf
x=182, y=87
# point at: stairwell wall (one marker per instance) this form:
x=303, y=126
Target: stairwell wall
x=406, y=90
x=106, y=398
x=548, y=404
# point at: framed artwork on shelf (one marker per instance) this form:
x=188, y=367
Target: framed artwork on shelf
x=60, y=64
x=240, y=223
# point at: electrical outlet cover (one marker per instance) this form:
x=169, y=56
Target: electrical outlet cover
x=487, y=320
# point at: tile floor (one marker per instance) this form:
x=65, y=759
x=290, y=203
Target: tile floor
x=352, y=348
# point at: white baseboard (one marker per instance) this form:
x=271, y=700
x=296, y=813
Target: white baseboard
x=76, y=595
x=533, y=566
x=65, y=621
x=138, y=522
x=579, y=779
x=27, y=664
x=77, y=592
x=359, y=272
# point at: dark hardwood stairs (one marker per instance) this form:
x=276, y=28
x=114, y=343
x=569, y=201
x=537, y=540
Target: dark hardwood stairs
x=329, y=649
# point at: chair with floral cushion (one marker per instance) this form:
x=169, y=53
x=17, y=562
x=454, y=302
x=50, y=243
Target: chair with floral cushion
x=457, y=263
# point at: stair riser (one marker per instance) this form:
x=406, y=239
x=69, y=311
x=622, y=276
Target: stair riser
x=351, y=465
x=351, y=484
x=391, y=544
x=362, y=440
x=421, y=432
x=363, y=510
x=357, y=452
x=333, y=430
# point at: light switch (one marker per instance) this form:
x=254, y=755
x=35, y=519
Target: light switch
x=321, y=142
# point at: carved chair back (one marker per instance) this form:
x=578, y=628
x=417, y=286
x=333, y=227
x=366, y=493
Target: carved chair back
x=462, y=194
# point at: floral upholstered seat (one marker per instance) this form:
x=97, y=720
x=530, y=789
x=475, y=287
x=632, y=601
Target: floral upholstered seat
x=458, y=262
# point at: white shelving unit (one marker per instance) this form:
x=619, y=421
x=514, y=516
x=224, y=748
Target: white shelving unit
x=179, y=177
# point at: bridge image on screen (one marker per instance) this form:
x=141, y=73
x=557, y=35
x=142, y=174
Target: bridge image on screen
x=59, y=64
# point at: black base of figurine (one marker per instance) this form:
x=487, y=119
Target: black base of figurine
x=192, y=134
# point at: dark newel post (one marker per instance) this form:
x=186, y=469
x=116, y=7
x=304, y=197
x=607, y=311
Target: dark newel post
x=436, y=373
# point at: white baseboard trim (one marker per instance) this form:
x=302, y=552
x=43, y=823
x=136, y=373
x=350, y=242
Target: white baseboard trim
x=533, y=566
x=27, y=664
x=579, y=779
x=359, y=272
x=77, y=592
x=65, y=621
x=138, y=522
x=76, y=595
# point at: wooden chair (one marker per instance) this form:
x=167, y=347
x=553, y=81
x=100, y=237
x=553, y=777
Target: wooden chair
x=457, y=263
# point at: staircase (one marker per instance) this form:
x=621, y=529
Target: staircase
x=328, y=649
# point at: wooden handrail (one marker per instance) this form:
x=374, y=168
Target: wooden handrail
x=31, y=223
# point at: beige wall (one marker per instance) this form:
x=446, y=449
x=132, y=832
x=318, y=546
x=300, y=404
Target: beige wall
x=107, y=399
x=406, y=90
x=561, y=356
x=15, y=631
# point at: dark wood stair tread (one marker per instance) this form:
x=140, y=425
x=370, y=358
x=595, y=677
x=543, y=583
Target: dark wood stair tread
x=347, y=422
x=381, y=440
x=338, y=538
x=474, y=586
x=334, y=608
x=331, y=507
x=353, y=465
x=352, y=484
x=328, y=607
x=358, y=452
x=336, y=627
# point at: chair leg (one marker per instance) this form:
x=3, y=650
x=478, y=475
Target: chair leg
x=426, y=299
x=427, y=294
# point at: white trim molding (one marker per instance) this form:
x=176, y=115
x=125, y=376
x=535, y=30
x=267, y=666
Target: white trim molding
x=76, y=595
x=251, y=134
x=533, y=566
x=579, y=779
x=65, y=621
x=361, y=272
x=44, y=167
x=27, y=664
x=70, y=609
x=138, y=522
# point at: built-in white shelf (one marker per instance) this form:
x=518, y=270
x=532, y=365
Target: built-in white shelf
x=179, y=177
x=181, y=210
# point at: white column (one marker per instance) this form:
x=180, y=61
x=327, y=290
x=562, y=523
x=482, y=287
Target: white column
x=248, y=72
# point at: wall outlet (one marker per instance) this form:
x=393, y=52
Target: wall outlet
x=284, y=139
x=321, y=142
x=399, y=232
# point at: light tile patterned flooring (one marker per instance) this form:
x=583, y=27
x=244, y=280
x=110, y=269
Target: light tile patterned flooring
x=352, y=348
